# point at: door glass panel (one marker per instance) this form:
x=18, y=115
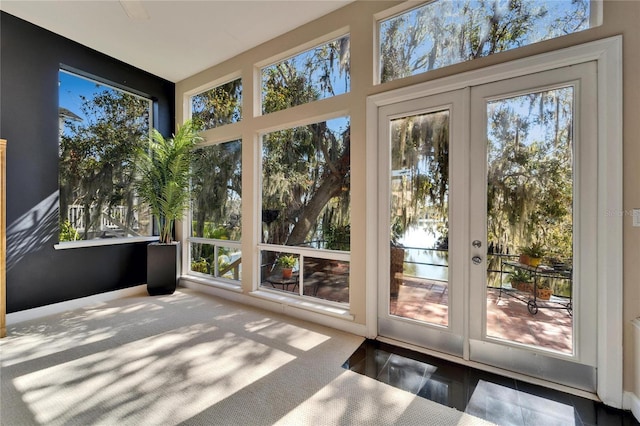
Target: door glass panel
x=530, y=219
x=419, y=187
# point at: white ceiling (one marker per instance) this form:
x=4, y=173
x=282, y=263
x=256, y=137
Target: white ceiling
x=180, y=37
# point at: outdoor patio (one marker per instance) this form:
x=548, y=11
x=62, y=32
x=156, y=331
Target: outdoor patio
x=507, y=317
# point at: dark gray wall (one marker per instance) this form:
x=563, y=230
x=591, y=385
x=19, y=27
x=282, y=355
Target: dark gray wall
x=37, y=274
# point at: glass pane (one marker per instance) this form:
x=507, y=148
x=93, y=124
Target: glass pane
x=305, y=186
x=530, y=219
x=217, y=260
x=326, y=279
x=447, y=32
x=319, y=73
x=419, y=217
x=101, y=130
x=280, y=271
x=217, y=192
x=218, y=106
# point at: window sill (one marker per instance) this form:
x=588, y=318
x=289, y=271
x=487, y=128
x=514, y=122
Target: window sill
x=102, y=242
x=212, y=282
x=306, y=304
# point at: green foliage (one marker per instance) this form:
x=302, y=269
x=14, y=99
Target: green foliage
x=306, y=77
x=535, y=250
x=286, y=261
x=397, y=230
x=544, y=283
x=218, y=106
x=165, y=175
x=337, y=237
x=530, y=173
x=201, y=265
x=68, y=232
x=519, y=276
x=218, y=233
x=446, y=32
x=306, y=176
x=217, y=191
x=420, y=157
x=97, y=158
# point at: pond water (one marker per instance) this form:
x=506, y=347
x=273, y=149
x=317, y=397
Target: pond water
x=421, y=257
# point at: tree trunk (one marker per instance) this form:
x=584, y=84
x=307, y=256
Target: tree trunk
x=330, y=187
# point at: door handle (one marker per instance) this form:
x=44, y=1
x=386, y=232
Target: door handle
x=476, y=260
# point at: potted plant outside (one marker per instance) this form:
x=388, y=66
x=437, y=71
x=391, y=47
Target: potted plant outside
x=520, y=280
x=532, y=255
x=164, y=180
x=543, y=290
x=286, y=263
x=201, y=266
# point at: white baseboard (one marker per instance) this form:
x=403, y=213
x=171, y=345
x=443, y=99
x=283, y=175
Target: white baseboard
x=56, y=308
x=631, y=401
x=296, y=310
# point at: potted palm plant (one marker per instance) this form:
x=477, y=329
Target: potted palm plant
x=164, y=180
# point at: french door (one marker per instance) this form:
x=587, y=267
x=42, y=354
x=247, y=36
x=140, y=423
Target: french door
x=470, y=179
x=421, y=298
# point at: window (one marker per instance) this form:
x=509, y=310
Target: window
x=216, y=211
x=305, y=205
x=218, y=106
x=316, y=74
x=101, y=131
x=447, y=32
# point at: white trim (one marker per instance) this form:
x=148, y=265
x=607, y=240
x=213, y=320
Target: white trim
x=306, y=251
x=56, y=308
x=65, y=245
x=236, y=75
x=211, y=281
x=608, y=54
x=371, y=220
x=328, y=316
x=609, y=249
x=301, y=48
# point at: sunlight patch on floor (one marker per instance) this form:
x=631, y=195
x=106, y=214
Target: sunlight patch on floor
x=199, y=364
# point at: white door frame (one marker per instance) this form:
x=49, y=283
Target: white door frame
x=608, y=55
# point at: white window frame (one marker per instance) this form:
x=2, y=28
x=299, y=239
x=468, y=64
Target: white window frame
x=288, y=54
x=301, y=251
x=187, y=226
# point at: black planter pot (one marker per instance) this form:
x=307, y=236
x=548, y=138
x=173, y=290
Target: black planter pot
x=163, y=268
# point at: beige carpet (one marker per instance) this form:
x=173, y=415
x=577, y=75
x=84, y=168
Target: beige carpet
x=193, y=359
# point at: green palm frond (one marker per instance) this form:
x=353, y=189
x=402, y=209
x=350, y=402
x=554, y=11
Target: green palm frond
x=165, y=175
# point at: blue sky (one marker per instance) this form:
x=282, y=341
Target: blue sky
x=71, y=88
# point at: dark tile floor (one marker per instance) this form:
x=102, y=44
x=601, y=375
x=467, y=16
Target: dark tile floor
x=494, y=398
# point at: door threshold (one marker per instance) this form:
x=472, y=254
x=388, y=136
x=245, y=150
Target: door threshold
x=491, y=369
